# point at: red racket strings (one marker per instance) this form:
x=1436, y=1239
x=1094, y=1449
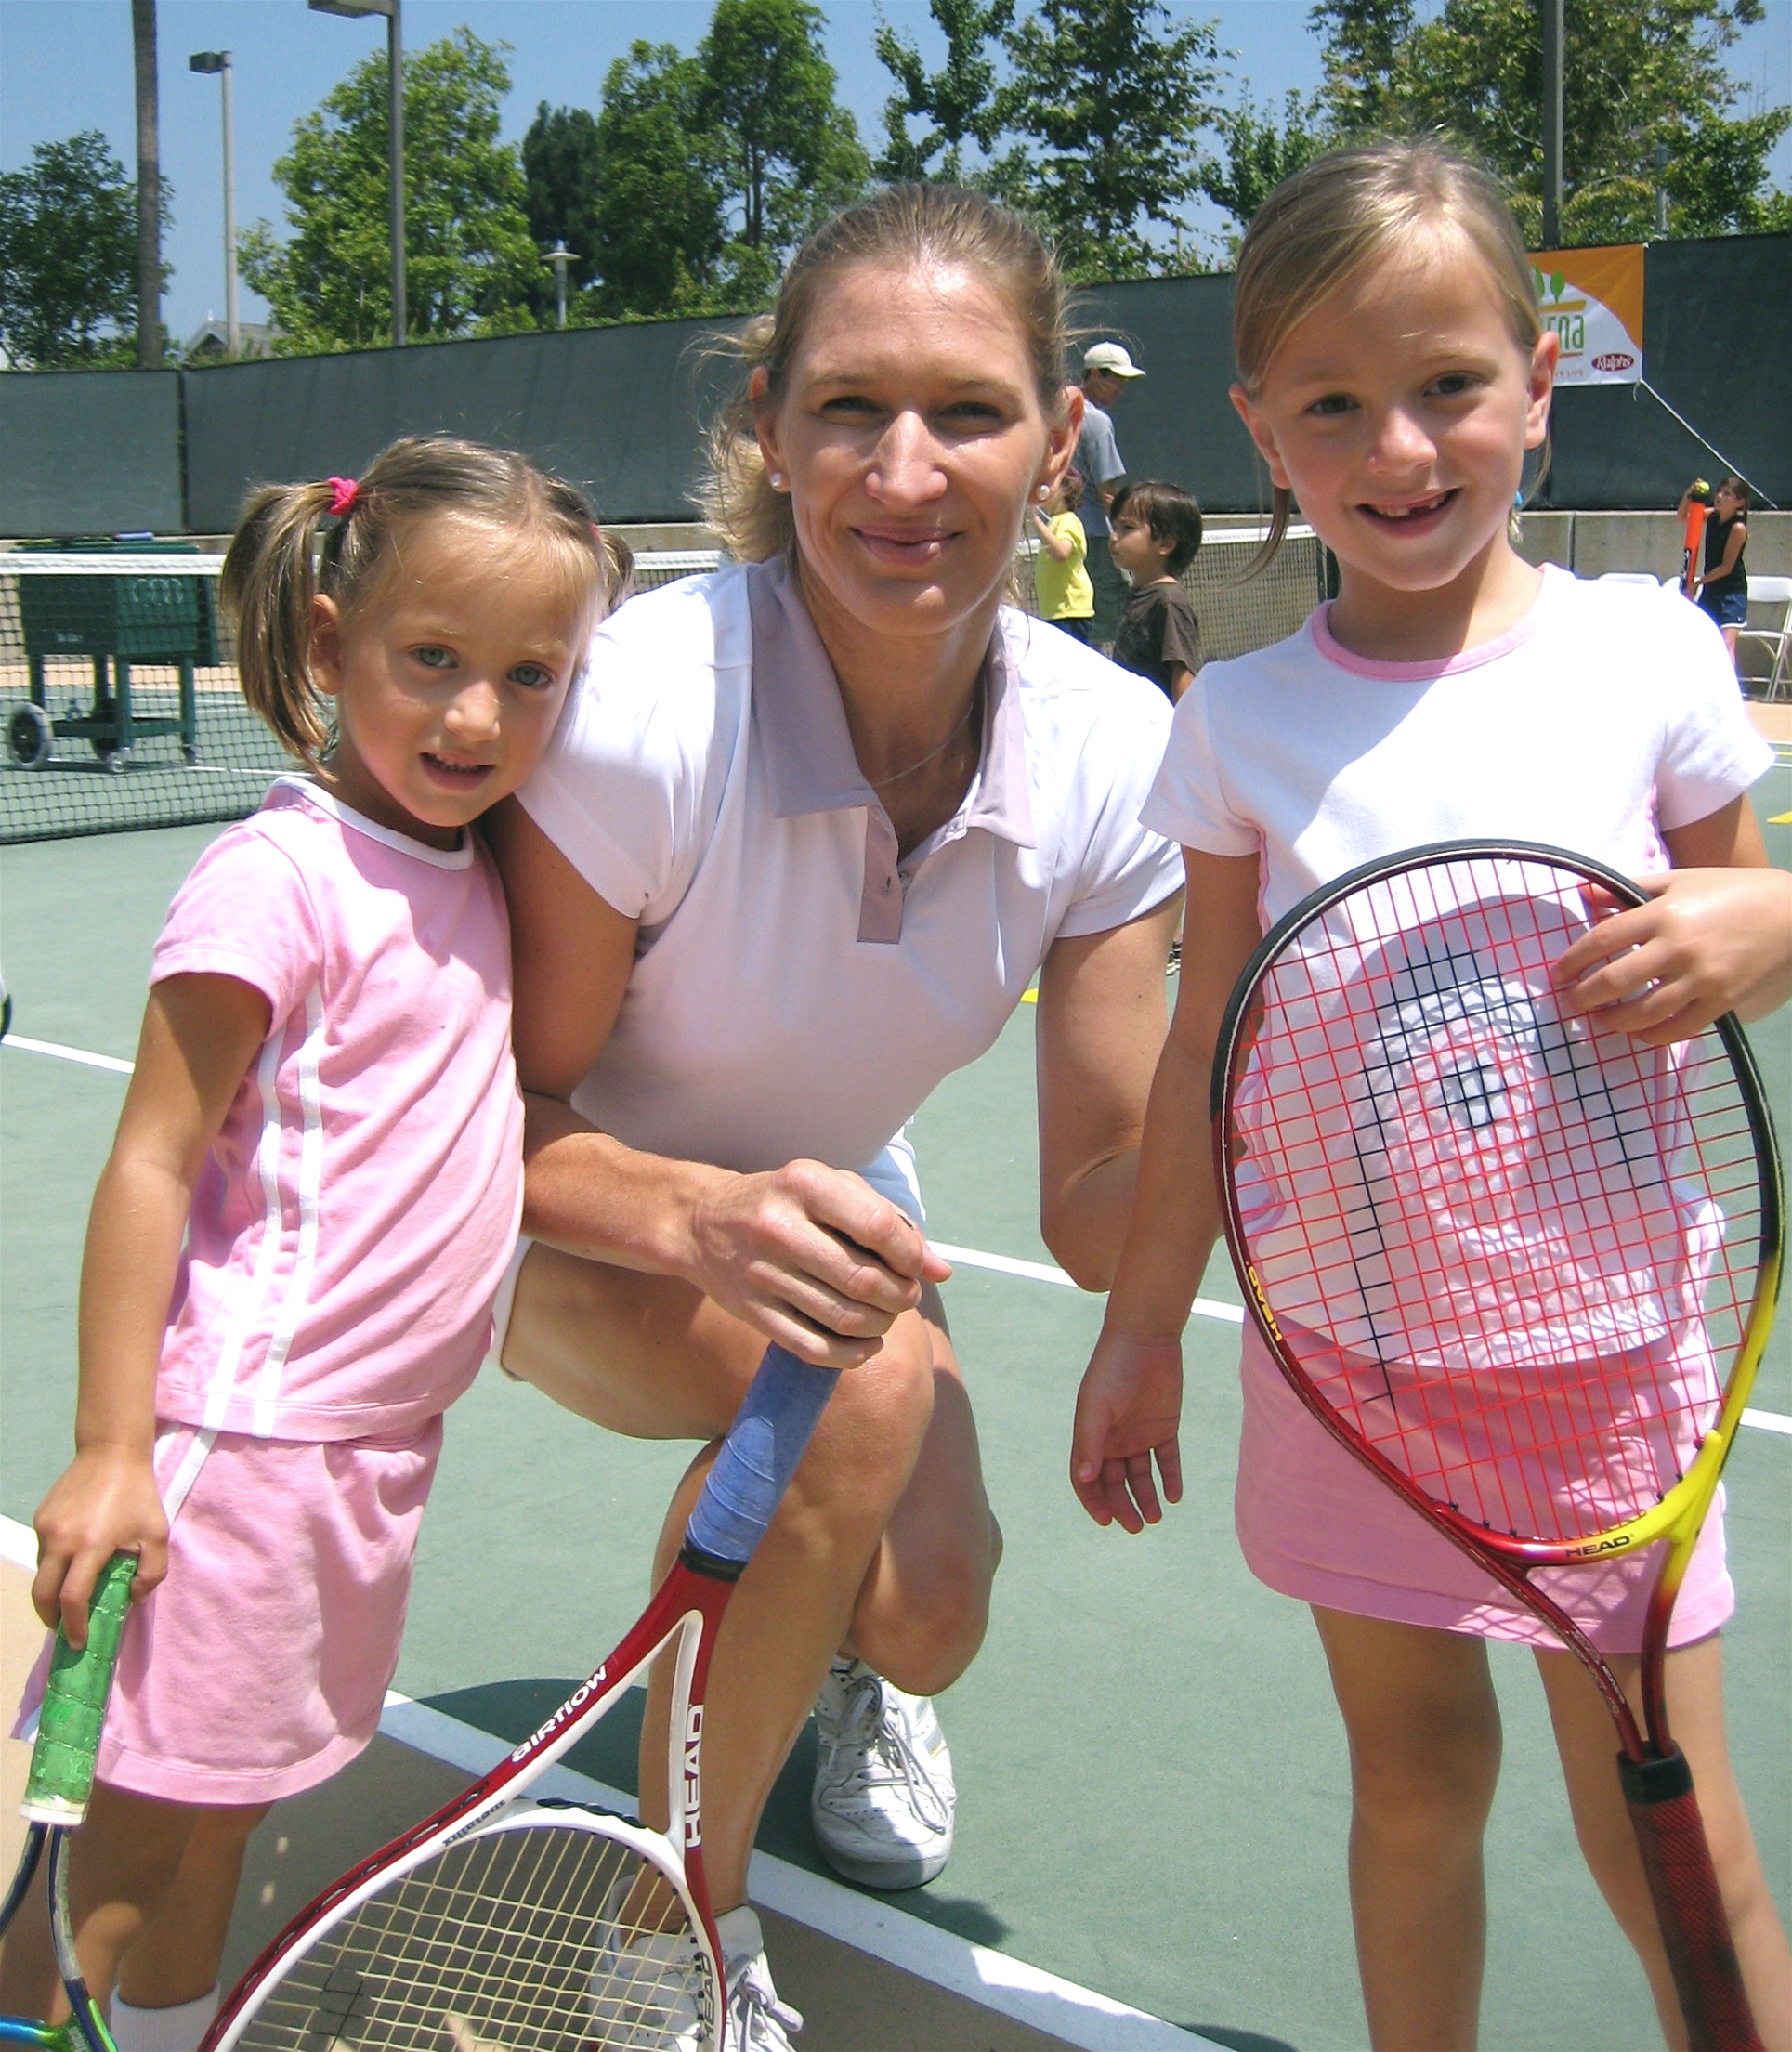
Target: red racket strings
x=1512, y=1251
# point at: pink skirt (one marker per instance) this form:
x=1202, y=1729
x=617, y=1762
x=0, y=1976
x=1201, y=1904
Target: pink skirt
x=260, y=1665
x=1315, y=1523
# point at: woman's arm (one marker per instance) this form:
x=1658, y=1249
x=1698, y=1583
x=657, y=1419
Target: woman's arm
x=1099, y=1026
x=810, y=1256
x=200, y=1034
x=1129, y=1404
x=1715, y=937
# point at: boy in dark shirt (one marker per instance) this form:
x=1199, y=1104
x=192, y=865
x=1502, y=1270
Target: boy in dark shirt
x=1156, y=530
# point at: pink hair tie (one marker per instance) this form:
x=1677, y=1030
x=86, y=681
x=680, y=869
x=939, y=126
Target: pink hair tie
x=345, y=491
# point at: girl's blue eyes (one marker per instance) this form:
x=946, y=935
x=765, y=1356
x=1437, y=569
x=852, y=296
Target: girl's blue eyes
x=531, y=676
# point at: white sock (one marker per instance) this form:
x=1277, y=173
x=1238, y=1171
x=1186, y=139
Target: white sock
x=176, y=2028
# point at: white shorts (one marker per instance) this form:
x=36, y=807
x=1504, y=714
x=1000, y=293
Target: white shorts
x=894, y=1174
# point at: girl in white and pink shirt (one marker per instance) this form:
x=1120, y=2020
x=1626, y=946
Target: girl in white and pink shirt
x=313, y=1192
x=1395, y=376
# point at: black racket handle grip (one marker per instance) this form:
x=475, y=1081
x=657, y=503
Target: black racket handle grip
x=1689, y=1905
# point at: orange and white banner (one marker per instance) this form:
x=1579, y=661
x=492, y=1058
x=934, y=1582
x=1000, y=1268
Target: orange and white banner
x=1592, y=299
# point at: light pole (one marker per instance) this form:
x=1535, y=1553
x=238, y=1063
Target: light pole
x=354, y=9
x=1661, y=155
x=1553, y=59
x=219, y=62
x=561, y=256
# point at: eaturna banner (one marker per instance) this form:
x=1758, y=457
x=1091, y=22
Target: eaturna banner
x=1592, y=299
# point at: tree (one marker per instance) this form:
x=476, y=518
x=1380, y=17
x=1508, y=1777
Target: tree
x=561, y=195
x=1111, y=97
x=659, y=211
x=1636, y=72
x=67, y=257
x=472, y=265
x=787, y=153
x=960, y=99
x=1260, y=153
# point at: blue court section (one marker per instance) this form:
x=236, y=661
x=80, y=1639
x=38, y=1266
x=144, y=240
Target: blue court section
x=1153, y=1778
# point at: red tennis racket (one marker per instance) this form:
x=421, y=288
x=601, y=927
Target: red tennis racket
x=1521, y=1265
x=505, y=1925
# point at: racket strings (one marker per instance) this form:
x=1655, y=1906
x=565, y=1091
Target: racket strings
x=514, y=1940
x=1507, y=1248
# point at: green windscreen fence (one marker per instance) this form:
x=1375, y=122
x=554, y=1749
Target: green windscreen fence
x=121, y=708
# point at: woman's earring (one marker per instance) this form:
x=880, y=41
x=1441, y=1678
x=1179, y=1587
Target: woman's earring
x=1045, y=492
x=776, y=479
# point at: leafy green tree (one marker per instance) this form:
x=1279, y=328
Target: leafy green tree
x=960, y=99
x=659, y=193
x=1110, y=97
x=472, y=267
x=67, y=257
x=561, y=197
x=1260, y=153
x=787, y=153
x=1636, y=72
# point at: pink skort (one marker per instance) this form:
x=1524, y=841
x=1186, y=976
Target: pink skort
x=260, y=1665
x=1315, y=1523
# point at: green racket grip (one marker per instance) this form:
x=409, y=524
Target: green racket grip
x=74, y=1705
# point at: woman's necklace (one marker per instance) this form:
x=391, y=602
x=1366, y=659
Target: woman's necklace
x=884, y=783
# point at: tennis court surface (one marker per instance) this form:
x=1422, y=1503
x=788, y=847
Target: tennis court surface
x=1152, y=1777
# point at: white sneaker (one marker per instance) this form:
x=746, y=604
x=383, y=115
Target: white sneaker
x=645, y=1991
x=883, y=1802
x=757, y=2021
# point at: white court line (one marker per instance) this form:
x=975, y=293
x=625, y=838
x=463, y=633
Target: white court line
x=963, y=1257
x=67, y=1054
x=1079, y=2016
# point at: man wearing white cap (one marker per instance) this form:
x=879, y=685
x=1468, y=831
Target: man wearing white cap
x=1107, y=372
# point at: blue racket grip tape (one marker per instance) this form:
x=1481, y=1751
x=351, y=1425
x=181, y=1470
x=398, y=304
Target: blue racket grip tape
x=774, y=1425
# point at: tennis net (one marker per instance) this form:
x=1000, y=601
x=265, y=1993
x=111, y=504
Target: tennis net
x=118, y=684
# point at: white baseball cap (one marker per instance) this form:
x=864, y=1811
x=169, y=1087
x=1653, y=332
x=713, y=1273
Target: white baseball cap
x=1111, y=358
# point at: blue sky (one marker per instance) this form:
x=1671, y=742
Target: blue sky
x=66, y=65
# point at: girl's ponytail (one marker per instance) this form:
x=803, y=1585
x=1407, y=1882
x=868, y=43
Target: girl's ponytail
x=269, y=584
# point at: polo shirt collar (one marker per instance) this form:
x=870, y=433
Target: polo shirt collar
x=807, y=747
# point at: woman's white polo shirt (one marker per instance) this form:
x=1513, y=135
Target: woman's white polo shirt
x=797, y=992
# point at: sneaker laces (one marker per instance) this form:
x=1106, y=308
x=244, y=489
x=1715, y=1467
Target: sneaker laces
x=889, y=1755
x=754, y=2011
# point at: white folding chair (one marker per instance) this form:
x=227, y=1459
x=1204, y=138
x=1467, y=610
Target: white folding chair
x=1774, y=597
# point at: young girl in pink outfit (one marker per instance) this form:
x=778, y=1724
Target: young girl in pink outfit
x=313, y=1195
x=1395, y=376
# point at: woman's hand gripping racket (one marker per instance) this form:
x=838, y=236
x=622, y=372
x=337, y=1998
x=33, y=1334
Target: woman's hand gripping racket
x=503, y=1925
x=1521, y=1265
x=56, y=1793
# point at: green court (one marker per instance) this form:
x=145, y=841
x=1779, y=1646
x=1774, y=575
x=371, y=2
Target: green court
x=1151, y=1776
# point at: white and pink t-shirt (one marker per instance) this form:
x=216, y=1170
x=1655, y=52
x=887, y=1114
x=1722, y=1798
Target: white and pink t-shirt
x=354, y=1218
x=1606, y=716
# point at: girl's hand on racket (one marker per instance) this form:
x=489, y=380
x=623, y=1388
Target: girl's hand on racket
x=104, y=1502
x=1128, y=1409
x=1710, y=941
x=813, y=1258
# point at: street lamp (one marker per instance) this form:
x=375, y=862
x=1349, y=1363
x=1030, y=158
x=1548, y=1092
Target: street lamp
x=354, y=10
x=561, y=256
x=1661, y=154
x=219, y=61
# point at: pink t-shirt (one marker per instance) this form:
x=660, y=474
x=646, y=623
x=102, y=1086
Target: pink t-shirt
x=354, y=1218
